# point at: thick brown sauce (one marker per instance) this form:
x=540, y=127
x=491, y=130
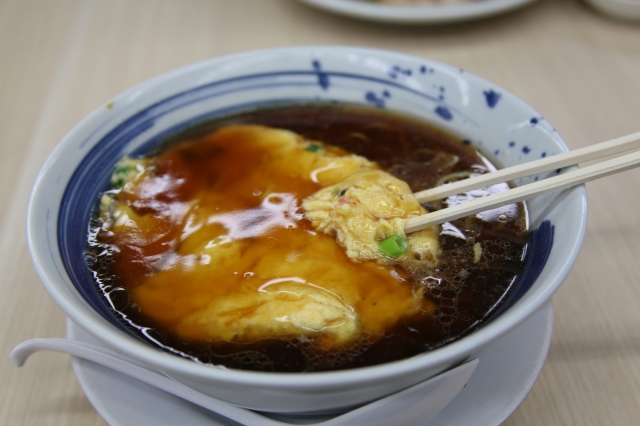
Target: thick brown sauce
x=465, y=292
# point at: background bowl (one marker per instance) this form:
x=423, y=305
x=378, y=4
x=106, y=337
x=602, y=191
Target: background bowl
x=501, y=126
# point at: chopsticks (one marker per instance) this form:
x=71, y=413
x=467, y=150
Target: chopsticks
x=514, y=195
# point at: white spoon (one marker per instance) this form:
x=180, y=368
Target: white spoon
x=416, y=405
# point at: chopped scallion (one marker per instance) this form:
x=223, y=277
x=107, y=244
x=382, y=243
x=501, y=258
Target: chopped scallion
x=123, y=169
x=314, y=147
x=394, y=246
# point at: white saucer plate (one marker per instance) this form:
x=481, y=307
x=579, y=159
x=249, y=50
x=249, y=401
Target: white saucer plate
x=507, y=370
x=420, y=13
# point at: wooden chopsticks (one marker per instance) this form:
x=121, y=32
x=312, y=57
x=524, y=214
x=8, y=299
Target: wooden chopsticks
x=556, y=183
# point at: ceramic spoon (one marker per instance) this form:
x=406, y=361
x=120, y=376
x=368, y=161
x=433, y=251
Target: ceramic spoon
x=416, y=405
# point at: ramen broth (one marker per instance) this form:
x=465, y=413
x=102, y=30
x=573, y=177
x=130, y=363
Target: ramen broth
x=163, y=285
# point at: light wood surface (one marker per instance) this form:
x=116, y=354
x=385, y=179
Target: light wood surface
x=60, y=59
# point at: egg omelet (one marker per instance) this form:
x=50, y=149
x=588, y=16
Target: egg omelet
x=253, y=233
x=366, y=208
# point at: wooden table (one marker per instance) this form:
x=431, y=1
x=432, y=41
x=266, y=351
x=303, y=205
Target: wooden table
x=60, y=59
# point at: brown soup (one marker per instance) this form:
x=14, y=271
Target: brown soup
x=160, y=280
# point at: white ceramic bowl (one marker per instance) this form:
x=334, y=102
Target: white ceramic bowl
x=623, y=9
x=496, y=122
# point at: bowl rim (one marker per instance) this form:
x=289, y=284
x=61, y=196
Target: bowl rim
x=82, y=315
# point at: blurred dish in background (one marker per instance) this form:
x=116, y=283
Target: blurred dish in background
x=418, y=11
x=624, y=9
x=419, y=2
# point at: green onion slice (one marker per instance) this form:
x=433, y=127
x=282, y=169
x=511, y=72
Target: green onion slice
x=313, y=147
x=123, y=169
x=394, y=246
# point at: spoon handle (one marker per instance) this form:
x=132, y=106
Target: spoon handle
x=118, y=363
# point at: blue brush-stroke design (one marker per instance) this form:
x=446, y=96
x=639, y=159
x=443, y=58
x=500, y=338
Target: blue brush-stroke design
x=396, y=72
x=444, y=113
x=512, y=144
x=270, y=79
x=492, y=98
x=538, y=250
x=426, y=70
x=323, y=78
x=533, y=121
x=526, y=150
x=213, y=89
x=374, y=99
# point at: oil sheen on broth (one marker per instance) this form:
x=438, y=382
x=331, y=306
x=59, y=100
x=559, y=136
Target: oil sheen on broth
x=202, y=248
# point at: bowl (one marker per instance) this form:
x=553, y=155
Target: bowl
x=500, y=125
x=628, y=10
